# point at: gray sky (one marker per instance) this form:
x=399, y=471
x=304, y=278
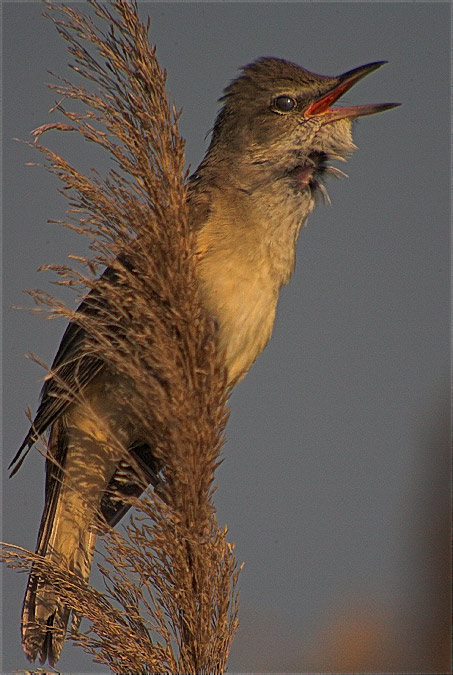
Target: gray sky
x=335, y=484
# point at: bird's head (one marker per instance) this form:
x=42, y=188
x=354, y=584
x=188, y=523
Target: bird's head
x=279, y=116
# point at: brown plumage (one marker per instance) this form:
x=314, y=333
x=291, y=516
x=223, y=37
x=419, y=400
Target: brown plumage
x=248, y=200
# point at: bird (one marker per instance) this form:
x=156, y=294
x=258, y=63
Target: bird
x=276, y=132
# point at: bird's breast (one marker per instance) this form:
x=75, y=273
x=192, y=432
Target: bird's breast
x=239, y=292
x=245, y=253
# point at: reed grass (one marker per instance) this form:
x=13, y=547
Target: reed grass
x=170, y=599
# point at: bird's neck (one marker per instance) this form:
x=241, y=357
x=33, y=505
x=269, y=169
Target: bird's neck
x=254, y=215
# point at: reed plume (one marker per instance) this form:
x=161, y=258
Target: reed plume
x=170, y=604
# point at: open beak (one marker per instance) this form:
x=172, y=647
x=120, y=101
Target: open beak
x=344, y=82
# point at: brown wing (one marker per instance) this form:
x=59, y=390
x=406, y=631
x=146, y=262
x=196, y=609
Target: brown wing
x=73, y=369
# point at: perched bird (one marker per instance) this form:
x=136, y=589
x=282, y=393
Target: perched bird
x=271, y=145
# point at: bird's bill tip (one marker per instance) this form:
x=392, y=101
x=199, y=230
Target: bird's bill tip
x=322, y=106
x=352, y=112
x=357, y=73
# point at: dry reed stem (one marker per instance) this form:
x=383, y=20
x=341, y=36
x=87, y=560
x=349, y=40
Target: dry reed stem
x=171, y=600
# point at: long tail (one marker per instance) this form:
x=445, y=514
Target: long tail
x=66, y=537
x=84, y=480
x=44, y=616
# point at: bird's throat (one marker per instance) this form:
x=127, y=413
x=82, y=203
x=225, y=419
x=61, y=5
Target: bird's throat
x=308, y=173
x=303, y=175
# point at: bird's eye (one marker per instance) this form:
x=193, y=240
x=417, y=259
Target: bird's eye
x=283, y=104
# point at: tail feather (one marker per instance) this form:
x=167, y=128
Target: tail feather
x=45, y=616
x=44, y=621
x=85, y=484
x=66, y=539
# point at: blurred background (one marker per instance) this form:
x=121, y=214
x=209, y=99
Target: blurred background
x=335, y=483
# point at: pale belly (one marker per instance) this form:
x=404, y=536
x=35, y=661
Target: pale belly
x=244, y=256
x=244, y=305
x=243, y=340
